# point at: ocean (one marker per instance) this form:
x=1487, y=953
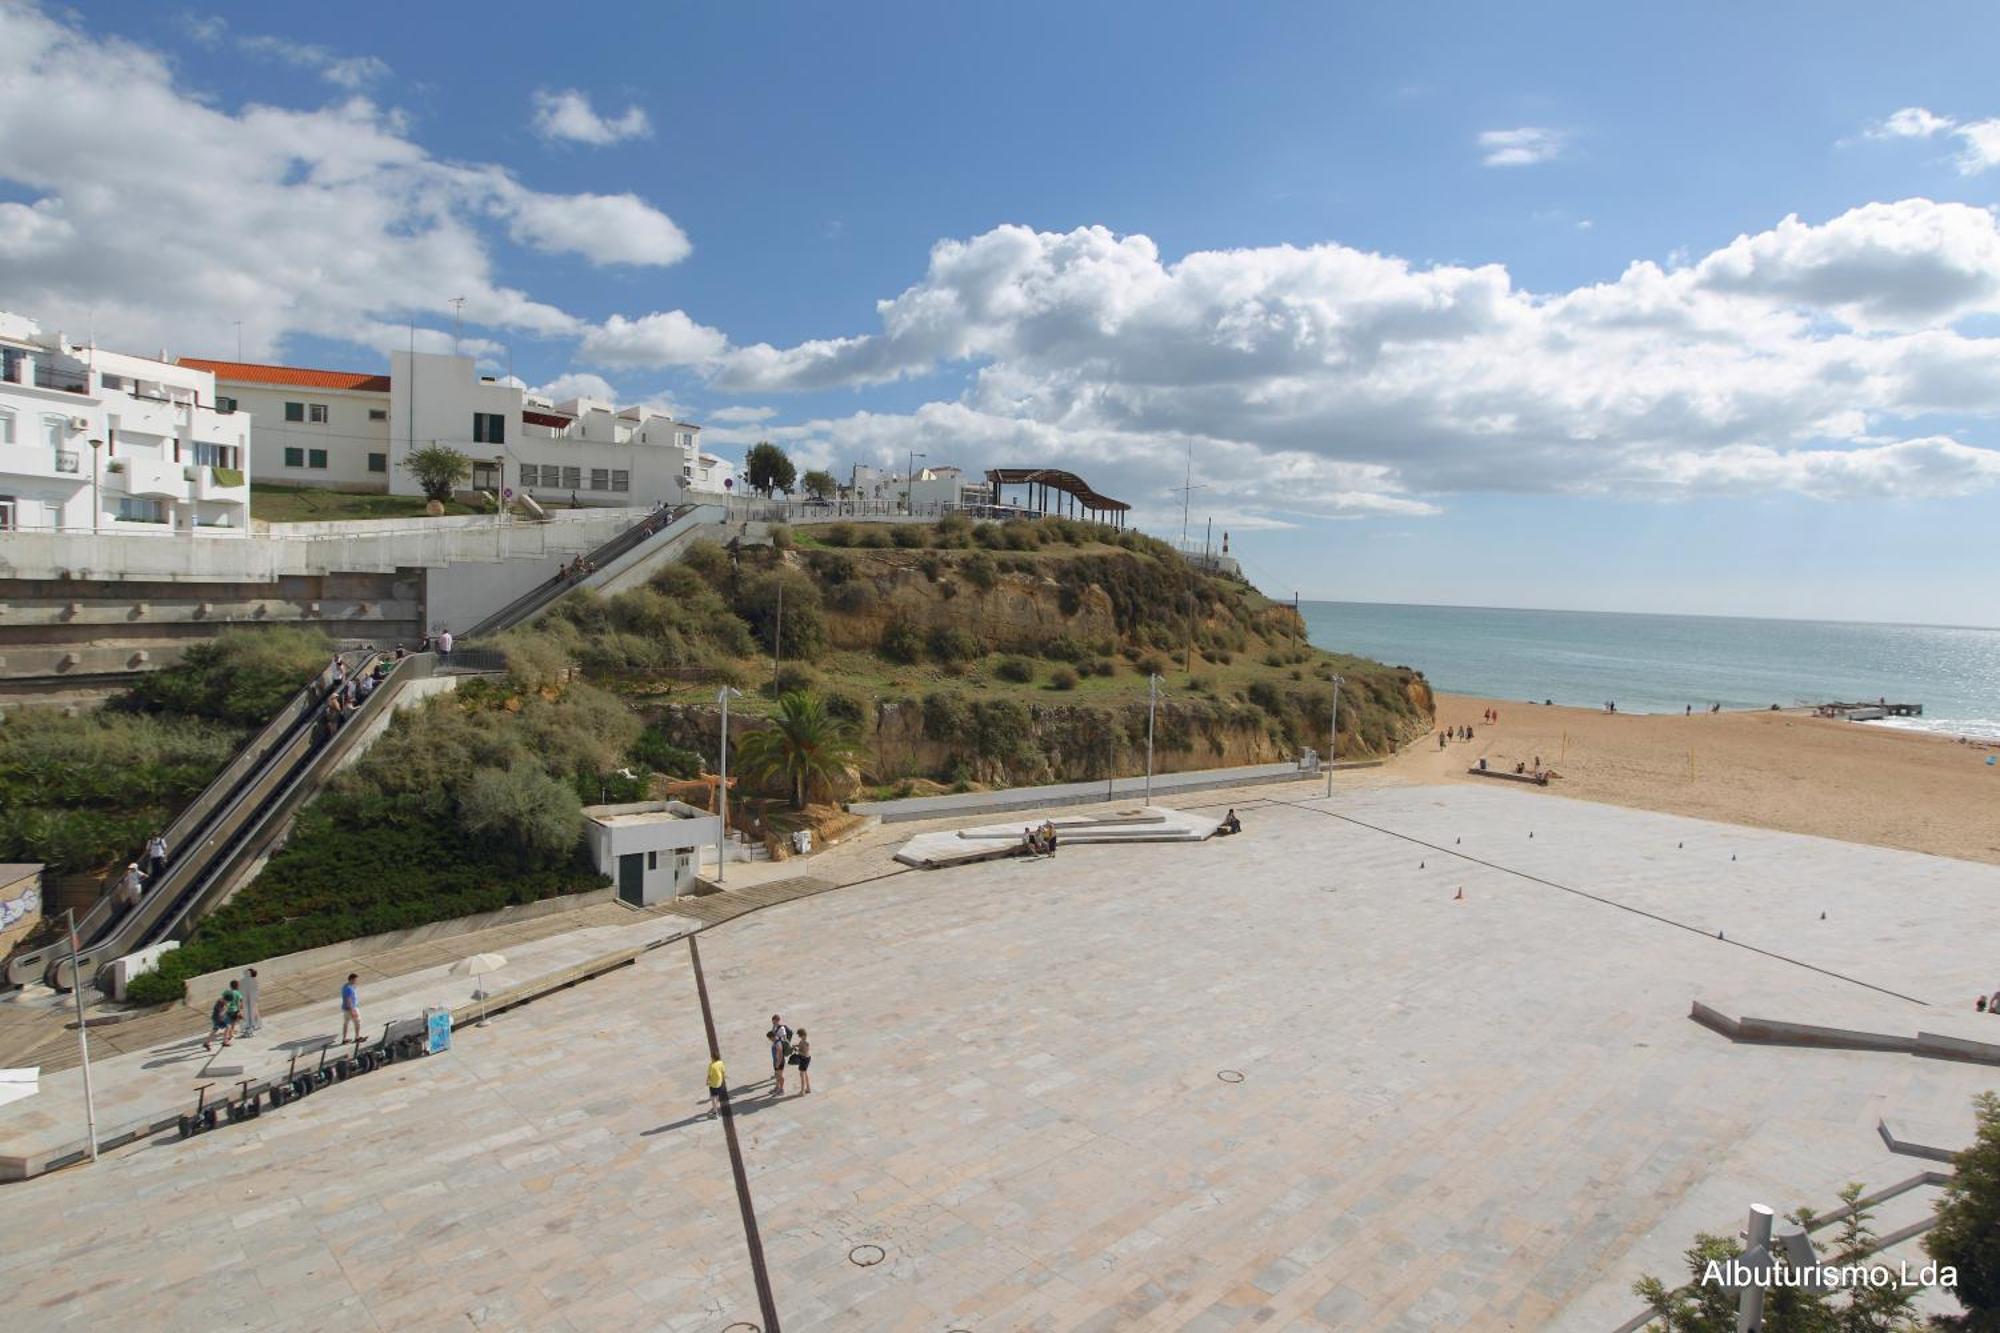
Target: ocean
x=1661, y=664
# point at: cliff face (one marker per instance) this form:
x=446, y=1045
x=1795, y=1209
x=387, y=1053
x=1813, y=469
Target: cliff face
x=1019, y=613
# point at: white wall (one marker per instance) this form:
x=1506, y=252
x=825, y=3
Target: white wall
x=347, y=438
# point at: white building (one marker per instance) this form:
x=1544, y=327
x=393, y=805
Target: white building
x=351, y=431
x=650, y=849
x=97, y=441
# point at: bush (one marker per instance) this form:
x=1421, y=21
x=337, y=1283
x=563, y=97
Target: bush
x=791, y=677
x=933, y=568
x=535, y=660
x=979, y=570
x=781, y=538
x=1062, y=678
x=525, y=810
x=906, y=536
x=873, y=538
x=838, y=534
x=831, y=567
x=654, y=751
x=242, y=676
x=1017, y=669
x=704, y=557
x=852, y=597
x=845, y=707
x=902, y=643
x=1967, y=1235
x=947, y=718
x=989, y=536
x=1152, y=664
x=949, y=643
x=804, y=622
x=953, y=530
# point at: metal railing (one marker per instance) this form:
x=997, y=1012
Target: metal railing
x=542, y=594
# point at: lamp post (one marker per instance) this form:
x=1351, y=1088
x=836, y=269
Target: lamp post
x=499, y=490
x=910, y=483
x=722, y=837
x=1152, y=701
x=96, y=472
x=1332, y=736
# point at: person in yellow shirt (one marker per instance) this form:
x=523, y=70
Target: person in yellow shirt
x=718, y=1078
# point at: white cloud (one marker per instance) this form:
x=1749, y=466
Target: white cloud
x=1329, y=381
x=333, y=222
x=350, y=72
x=568, y=116
x=1523, y=147
x=669, y=338
x=578, y=384
x=740, y=414
x=1978, y=140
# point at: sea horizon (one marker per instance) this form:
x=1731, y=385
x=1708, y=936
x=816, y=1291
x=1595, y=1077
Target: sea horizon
x=1663, y=615
x=1670, y=662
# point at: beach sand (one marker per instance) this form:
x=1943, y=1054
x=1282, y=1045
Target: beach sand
x=1784, y=770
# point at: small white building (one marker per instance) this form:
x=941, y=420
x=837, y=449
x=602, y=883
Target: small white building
x=99, y=441
x=351, y=431
x=651, y=849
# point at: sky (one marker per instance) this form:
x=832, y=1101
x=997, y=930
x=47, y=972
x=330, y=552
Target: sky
x=1571, y=305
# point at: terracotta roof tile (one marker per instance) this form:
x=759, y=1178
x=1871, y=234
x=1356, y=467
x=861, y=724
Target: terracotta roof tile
x=249, y=372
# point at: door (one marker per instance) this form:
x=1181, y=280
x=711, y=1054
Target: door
x=9, y=513
x=632, y=878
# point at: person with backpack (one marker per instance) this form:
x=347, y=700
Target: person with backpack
x=781, y=1050
x=218, y=1023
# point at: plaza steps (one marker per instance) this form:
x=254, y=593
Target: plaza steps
x=991, y=842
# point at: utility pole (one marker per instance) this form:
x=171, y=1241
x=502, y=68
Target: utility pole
x=722, y=788
x=1332, y=736
x=1152, y=702
x=1188, y=488
x=457, y=322
x=82, y=1036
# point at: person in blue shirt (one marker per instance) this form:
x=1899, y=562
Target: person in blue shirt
x=350, y=1007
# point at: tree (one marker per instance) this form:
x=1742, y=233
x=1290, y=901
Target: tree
x=438, y=468
x=805, y=747
x=769, y=468
x=525, y=809
x=819, y=484
x=1967, y=1234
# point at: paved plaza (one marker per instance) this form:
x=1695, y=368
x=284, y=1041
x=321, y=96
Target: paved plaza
x=1478, y=1113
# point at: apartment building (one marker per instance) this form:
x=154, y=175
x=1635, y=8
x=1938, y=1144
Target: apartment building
x=107, y=442
x=350, y=430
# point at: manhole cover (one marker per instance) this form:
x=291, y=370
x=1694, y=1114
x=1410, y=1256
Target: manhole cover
x=866, y=1256
x=1230, y=1075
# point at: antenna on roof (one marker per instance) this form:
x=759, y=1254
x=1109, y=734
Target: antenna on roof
x=239, y=340
x=457, y=321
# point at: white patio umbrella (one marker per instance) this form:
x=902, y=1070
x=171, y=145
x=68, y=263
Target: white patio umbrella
x=477, y=967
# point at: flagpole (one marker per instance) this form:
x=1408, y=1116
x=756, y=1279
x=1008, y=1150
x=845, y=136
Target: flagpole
x=82, y=1035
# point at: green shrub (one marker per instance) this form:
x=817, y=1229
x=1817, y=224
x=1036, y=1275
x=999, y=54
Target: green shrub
x=1017, y=669
x=804, y=620
x=791, y=677
x=781, y=537
x=947, y=718
x=831, y=567
x=989, y=536
x=950, y=644
x=838, y=534
x=845, y=707
x=906, y=536
x=932, y=566
x=859, y=595
x=655, y=751
x=902, y=643
x=242, y=676
x=979, y=570
x=873, y=538
x=524, y=810
x=951, y=531
x=1062, y=678
x=704, y=557
x=1105, y=666
x=1152, y=664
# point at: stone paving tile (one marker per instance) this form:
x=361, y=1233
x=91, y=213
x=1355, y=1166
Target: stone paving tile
x=1482, y=1114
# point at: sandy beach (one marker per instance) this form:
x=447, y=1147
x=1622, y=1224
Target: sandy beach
x=1784, y=770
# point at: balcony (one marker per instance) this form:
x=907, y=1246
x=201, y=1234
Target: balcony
x=150, y=478
x=220, y=483
x=38, y=460
x=54, y=377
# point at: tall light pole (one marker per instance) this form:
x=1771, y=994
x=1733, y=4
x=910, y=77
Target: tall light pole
x=96, y=471
x=1332, y=736
x=722, y=789
x=910, y=483
x=1152, y=702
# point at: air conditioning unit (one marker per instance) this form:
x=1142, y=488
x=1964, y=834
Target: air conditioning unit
x=79, y=424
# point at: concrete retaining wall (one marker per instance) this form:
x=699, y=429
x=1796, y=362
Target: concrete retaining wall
x=1088, y=793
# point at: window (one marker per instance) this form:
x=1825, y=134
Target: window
x=6, y=426
x=600, y=479
x=224, y=403
x=134, y=509
x=113, y=381
x=295, y=411
x=572, y=477
x=378, y=462
x=295, y=458
x=53, y=431
x=686, y=439
x=531, y=475
x=489, y=428
x=316, y=413
x=211, y=455
x=316, y=458
x=621, y=481
x=378, y=414
x=9, y=517
x=652, y=860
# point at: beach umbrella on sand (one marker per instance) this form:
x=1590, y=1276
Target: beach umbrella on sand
x=477, y=967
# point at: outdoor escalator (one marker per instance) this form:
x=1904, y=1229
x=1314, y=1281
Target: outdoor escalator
x=536, y=599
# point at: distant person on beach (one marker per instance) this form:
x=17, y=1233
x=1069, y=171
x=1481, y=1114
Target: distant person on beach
x=718, y=1077
x=1440, y=738
x=350, y=1007
x=1689, y=712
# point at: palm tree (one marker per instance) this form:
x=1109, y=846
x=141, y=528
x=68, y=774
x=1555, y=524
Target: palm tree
x=805, y=745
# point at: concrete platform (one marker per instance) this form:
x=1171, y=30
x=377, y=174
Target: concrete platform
x=1478, y=1112
x=992, y=842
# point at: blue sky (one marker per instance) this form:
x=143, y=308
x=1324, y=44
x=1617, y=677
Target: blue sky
x=1374, y=266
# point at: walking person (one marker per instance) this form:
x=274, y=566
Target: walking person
x=350, y=1007
x=718, y=1078
x=156, y=856
x=781, y=1047
x=802, y=1056
x=444, y=645
x=218, y=1023
x=130, y=885
x=233, y=1000
x=253, y=1015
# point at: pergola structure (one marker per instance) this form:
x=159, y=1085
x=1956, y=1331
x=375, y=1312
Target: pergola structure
x=1045, y=483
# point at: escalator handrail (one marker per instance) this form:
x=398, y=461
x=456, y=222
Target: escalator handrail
x=555, y=585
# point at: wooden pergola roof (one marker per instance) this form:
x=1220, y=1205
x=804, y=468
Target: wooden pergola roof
x=1058, y=479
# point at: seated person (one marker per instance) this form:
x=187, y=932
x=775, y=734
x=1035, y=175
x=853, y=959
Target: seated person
x=1230, y=823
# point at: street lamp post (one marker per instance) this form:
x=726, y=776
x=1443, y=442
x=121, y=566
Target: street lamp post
x=96, y=471
x=722, y=837
x=1152, y=701
x=1332, y=736
x=910, y=483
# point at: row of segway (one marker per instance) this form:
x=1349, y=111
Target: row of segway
x=296, y=1083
